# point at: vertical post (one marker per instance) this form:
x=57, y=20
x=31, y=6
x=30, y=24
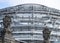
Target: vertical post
x=46, y=35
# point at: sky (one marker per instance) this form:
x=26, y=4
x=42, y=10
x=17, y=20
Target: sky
x=50, y=3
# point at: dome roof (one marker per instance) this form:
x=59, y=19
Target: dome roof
x=29, y=7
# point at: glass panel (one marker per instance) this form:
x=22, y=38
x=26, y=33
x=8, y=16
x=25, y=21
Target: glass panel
x=24, y=15
x=39, y=15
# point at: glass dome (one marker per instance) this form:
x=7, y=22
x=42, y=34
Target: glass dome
x=28, y=21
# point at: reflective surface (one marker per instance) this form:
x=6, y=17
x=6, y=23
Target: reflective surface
x=29, y=20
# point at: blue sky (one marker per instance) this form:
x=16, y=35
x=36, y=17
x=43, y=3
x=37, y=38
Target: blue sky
x=49, y=3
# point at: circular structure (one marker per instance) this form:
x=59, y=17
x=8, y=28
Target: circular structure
x=29, y=20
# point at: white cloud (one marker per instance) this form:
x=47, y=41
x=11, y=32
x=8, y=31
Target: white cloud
x=13, y=2
x=53, y=3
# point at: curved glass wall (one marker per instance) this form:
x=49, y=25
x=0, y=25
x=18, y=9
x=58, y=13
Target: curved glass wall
x=28, y=21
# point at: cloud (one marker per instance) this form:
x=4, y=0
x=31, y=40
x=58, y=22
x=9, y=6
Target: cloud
x=16, y=2
x=53, y=3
